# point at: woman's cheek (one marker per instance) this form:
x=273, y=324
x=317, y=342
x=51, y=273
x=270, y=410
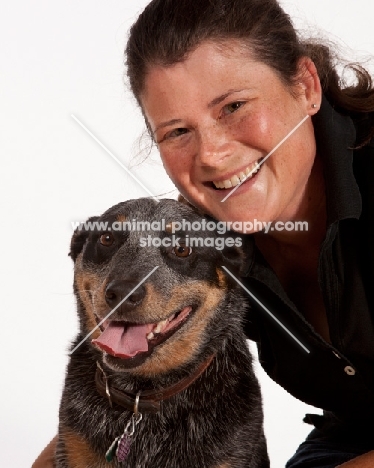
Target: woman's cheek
x=173, y=163
x=167, y=164
x=253, y=130
x=177, y=154
x=262, y=125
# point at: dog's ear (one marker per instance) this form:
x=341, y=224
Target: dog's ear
x=239, y=257
x=79, y=238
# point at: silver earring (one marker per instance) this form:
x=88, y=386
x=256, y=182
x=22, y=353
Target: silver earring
x=314, y=106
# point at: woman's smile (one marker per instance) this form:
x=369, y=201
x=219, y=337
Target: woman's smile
x=248, y=173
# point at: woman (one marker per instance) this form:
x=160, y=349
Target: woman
x=221, y=84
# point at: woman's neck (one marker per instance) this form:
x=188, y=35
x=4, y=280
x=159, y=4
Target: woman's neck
x=311, y=210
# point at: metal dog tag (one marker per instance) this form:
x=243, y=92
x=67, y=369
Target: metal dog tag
x=110, y=453
x=120, y=446
x=124, y=443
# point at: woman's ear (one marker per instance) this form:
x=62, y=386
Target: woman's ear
x=308, y=85
x=79, y=239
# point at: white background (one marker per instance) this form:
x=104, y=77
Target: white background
x=58, y=59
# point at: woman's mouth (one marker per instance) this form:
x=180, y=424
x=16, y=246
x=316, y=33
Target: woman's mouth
x=239, y=178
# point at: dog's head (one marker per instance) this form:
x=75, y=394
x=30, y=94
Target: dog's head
x=151, y=275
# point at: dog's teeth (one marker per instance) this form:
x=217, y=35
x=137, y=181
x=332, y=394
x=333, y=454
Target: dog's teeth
x=160, y=326
x=171, y=318
x=150, y=336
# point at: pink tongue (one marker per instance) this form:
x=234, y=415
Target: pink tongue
x=124, y=341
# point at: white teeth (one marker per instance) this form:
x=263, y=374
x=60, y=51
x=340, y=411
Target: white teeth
x=160, y=326
x=256, y=169
x=157, y=329
x=235, y=180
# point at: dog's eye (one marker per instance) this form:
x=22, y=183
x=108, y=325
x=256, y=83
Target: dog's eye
x=107, y=239
x=182, y=251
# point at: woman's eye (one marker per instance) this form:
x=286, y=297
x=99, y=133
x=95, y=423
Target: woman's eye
x=232, y=107
x=176, y=132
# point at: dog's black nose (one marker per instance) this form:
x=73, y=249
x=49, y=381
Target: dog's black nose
x=117, y=290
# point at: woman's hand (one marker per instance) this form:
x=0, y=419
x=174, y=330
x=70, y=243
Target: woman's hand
x=46, y=458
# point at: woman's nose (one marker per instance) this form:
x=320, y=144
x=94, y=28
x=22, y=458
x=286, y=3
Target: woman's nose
x=214, y=145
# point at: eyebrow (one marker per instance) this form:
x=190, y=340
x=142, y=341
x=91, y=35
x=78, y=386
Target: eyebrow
x=211, y=104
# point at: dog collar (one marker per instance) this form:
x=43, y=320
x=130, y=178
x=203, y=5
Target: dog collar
x=149, y=401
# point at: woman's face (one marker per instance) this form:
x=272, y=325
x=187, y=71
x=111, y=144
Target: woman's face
x=216, y=115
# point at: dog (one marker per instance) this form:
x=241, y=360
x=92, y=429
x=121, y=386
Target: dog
x=165, y=378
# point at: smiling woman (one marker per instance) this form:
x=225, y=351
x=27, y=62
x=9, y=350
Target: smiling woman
x=253, y=122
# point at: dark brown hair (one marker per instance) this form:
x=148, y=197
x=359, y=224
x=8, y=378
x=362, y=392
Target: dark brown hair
x=167, y=30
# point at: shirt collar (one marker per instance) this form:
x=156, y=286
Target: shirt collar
x=335, y=137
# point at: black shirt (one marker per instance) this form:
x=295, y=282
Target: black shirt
x=337, y=377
